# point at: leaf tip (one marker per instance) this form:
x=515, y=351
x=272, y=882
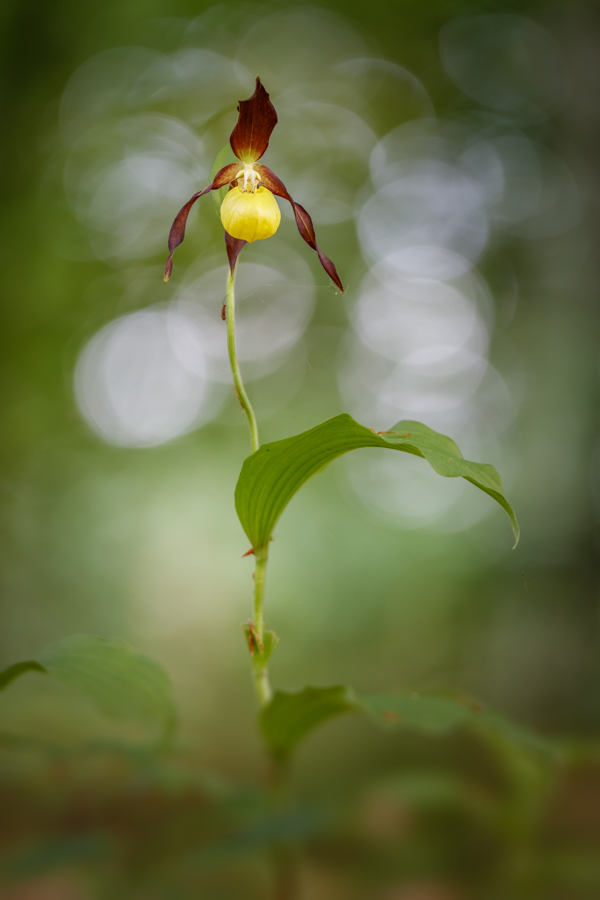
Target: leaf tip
x=515, y=526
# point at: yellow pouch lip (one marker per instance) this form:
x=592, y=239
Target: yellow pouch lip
x=250, y=216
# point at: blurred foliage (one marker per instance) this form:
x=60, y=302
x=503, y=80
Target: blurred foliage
x=143, y=542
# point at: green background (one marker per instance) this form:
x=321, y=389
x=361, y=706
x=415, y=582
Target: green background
x=144, y=543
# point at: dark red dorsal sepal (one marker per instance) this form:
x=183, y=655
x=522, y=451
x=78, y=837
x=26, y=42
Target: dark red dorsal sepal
x=257, y=119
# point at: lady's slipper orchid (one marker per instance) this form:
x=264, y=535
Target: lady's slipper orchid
x=249, y=211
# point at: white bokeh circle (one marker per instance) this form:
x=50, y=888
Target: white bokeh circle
x=123, y=180
x=428, y=223
x=274, y=303
x=141, y=380
x=504, y=61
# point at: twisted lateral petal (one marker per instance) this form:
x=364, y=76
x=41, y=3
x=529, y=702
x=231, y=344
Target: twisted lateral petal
x=257, y=119
x=304, y=222
x=177, y=233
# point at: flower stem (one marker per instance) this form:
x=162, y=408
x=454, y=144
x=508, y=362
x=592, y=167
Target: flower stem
x=240, y=390
x=261, y=675
x=259, y=668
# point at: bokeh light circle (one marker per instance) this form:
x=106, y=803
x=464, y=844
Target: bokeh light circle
x=274, y=302
x=504, y=61
x=141, y=380
x=427, y=223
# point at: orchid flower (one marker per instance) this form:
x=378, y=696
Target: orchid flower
x=249, y=211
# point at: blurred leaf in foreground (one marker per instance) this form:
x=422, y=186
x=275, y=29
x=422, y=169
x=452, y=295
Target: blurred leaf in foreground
x=9, y=674
x=121, y=682
x=439, y=714
x=291, y=715
x=431, y=713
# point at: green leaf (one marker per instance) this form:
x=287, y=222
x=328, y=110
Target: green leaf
x=11, y=672
x=518, y=735
x=222, y=159
x=432, y=713
x=271, y=476
x=442, y=713
x=124, y=684
x=289, y=716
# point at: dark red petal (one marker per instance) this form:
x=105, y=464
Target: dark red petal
x=307, y=230
x=234, y=248
x=269, y=179
x=257, y=119
x=224, y=176
x=177, y=233
x=304, y=222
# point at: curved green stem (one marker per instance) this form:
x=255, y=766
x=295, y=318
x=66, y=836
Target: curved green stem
x=284, y=858
x=240, y=390
x=259, y=665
